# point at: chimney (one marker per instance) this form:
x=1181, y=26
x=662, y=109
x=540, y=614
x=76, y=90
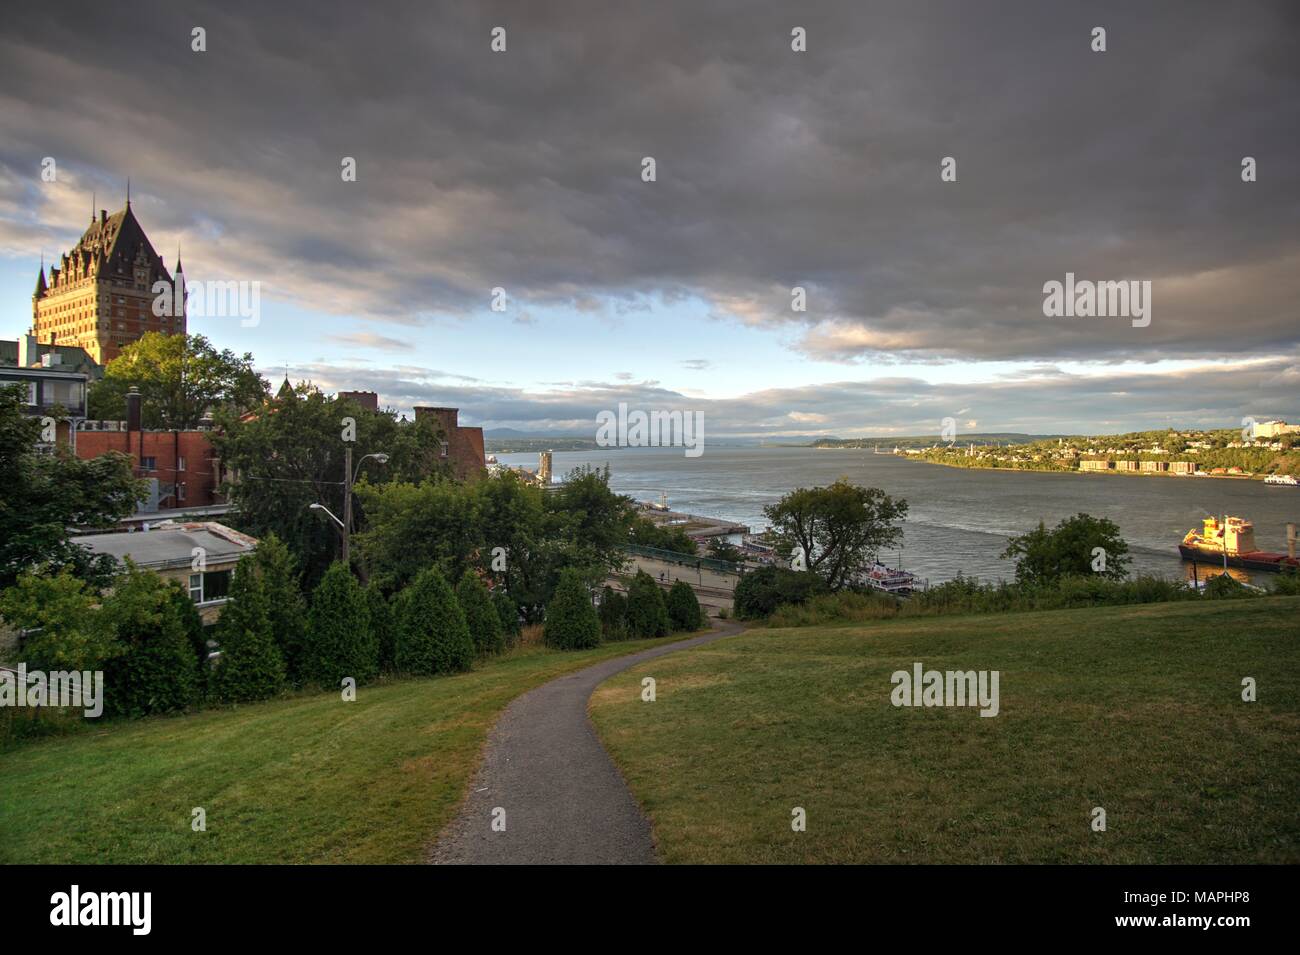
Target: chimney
x=133, y=409
x=29, y=351
x=103, y=216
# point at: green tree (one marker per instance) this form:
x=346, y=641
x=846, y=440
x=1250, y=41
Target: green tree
x=289, y=454
x=1079, y=545
x=286, y=608
x=571, y=622
x=432, y=635
x=67, y=631
x=383, y=626
x=722, y=549
x=684, y=612
x=250, y=667
x=411, y=527
x=42, y=495
x=836, y=530
x=179, y=377
x=340, y=643
x=508, y=613
x=157, y=671
x=480, y=615
x=613, y=614
x=647, y=613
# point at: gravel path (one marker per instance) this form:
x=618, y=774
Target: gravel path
x=564, y=800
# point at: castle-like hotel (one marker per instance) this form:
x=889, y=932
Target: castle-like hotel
x=100, y=296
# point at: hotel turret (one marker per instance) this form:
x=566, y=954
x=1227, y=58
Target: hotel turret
x=99, y=296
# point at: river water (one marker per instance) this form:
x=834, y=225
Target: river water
x=959, y=519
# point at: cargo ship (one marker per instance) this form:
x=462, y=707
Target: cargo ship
x=1231, y=542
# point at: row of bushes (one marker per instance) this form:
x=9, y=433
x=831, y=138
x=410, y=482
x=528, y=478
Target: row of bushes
x=573, y=623
x=147, y=637
x=787, y=598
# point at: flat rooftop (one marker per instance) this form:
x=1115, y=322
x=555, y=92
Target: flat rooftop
x=172, y=545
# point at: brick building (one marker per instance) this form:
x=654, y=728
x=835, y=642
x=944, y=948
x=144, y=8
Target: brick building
x=100, y=295
x=463, y=447
x=182, y=467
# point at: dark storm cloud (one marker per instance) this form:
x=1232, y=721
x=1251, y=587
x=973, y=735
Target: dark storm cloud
x=775, y=169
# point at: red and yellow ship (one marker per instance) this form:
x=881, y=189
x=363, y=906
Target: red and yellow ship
x=1232, y=542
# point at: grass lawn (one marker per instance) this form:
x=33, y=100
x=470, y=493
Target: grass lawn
x=303, y=779
x=1137, y=710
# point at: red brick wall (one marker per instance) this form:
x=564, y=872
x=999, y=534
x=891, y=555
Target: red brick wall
x=464, y=445
x=200, y=476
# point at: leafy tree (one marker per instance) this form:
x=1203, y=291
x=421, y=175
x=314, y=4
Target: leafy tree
x=1043, y=557
x=383, y=626
x=480, y=615
x=42, y=495
x=760, y=592
x=432, y=635
x=180, y=377
x=1225, y=587
x=594, y=520
x=251, y=667
x=647, y=614
x=289, y=454
x=613, y=614
x=415, y=526
x=286, y=609
x=339, y=643
x=684, y=612
x=157, y=671
x=647, y=533
x=722, y=549
x=571, y=622
x=68, y=633
x=838, y=529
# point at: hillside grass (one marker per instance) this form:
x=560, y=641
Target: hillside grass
x=1134, y=709
x=307, y=778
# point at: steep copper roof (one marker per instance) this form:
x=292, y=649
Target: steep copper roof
x=115, y=241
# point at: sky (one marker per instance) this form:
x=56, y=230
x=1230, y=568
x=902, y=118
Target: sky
x=522, y=170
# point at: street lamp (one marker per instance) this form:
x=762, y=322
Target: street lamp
x=349, y=478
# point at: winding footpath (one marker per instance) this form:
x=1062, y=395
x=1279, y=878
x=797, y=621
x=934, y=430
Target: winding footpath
x=563, y=799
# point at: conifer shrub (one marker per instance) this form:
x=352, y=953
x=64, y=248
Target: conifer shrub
x=156, y=671
x=383, y=627
x=480, y=614
x=285, y=606
x=647, y=614
x=613, y=614
x=508, y=612
x=432, y=635
x=339, y=641
x=250, y=666
x=684, y=614
x=571, y=622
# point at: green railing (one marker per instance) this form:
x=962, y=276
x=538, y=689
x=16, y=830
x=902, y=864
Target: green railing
x=689, y=560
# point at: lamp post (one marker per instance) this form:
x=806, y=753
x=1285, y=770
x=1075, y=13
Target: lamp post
x=349, y=478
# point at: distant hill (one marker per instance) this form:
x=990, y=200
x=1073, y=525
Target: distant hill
x=929, y=440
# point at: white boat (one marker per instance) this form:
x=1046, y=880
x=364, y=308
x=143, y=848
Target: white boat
x=1282, y=480
x=890, y=580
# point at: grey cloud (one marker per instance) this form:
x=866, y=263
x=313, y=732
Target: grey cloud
x=775, y=168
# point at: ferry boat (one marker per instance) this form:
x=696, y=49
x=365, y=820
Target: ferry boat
x=1231, y=542
x=890, y=580
x=1282, y=480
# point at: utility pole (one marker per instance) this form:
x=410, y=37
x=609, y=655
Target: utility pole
x=347, y=505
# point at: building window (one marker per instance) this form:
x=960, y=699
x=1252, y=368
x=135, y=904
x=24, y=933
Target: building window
x=209, y=586
x=180, y=463
x=149, y=464
x=180, y=491
x=445, y=447
x=31, y=392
